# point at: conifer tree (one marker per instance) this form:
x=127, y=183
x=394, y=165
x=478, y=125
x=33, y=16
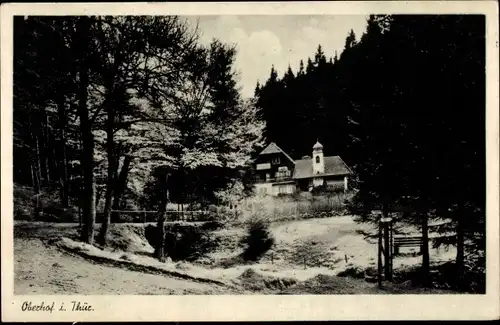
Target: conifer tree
x=301, y=69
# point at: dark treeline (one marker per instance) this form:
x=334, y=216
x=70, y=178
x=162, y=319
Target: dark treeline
x=404, y=104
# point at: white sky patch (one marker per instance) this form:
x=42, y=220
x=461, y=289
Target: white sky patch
x=280, y=40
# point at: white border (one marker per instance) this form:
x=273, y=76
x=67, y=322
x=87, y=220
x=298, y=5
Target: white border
x=258, y=307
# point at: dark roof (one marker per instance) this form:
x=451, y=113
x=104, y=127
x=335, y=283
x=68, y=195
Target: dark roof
x=273, y=148
x=334, y=165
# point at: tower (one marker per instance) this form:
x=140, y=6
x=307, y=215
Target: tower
x=318, y=162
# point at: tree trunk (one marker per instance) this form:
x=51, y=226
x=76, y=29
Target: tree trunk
x=80, y=213
x=121, y=184
x=459, y=261
x=87, y=157
x=46, y=149
x=106, y=222
x=98, y=192
x=35, y=171
x=160, y=244
x=63, y=170
x=387, y=248
x=112, y=165
x=379, y=256
x=425, y=249
x=38, y=160
x=33, y=182
x=36, y=187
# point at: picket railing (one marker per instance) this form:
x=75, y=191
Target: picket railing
x=152, y=216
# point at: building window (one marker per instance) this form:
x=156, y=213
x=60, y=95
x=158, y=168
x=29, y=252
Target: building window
x=276, y=161
x=283, y=173
x=317, y=159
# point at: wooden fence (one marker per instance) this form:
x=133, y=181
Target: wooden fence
x=295, y=207
x=145, y=216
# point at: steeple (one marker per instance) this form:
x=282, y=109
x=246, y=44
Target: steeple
x=317, y=146
x=318, y=163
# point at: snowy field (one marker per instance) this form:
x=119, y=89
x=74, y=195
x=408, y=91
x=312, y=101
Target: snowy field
x=307, y=254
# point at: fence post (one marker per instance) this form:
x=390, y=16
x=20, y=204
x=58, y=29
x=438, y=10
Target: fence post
x=391, y=245
x=80, y=216
x=386, y=253
x=379, y=252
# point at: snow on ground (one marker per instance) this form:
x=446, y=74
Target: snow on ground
x=323, y=246
x=43, y=269
x=303, y=250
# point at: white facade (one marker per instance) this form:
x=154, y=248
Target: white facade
x=274, y=189
x=283, y=189
x=264, y=166
x=318, y=181
x=264, y=189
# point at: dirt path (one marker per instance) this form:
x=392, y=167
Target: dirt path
x=43, y=269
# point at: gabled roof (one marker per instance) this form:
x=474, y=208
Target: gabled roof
x=273, y=148
x=334, y=165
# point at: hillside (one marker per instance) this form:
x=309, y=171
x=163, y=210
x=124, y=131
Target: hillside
x=329, y=247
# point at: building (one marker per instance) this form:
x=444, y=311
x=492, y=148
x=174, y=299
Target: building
x=277, y=173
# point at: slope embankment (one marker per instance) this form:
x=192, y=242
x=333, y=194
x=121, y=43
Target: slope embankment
x=306, y=258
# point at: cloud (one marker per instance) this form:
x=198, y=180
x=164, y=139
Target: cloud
x=257, y=52
x=262, y=41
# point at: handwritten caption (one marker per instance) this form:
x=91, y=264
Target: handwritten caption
x=50, y=307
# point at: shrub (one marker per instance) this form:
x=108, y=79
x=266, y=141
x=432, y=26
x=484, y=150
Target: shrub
x=58, y=214
x=302, y=205
x=353, y=272
x=152, y=235
x=258, y=240
x=22, y=212
x=49, y=209
x=183, y=242
x=188, y=242
x=212, y=225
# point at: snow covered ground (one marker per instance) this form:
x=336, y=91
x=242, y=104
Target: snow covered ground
x=303, y=250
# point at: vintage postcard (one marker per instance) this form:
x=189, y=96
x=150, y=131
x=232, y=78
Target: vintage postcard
x=250, y=161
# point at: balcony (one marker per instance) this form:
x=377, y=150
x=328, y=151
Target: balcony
x=274, y=179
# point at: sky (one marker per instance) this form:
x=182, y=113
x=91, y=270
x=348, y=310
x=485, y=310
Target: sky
x=262, y=41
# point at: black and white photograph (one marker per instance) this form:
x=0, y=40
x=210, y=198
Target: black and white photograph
x=249, y=154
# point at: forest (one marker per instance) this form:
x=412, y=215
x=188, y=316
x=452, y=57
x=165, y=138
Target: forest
x=127, y=112
x=134, y=113
x=404, y=105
